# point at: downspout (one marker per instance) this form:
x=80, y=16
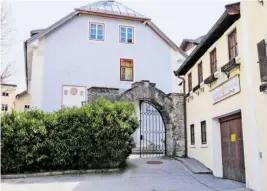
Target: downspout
x=185, y=127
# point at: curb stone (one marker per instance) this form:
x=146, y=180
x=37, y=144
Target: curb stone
x=56, y=173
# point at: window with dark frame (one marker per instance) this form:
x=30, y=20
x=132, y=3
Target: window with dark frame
x=126, y=69
x=189, y=82
x=232, y=45
x=200, y=73
x=203, y=132
x=26, y=107
x=262, y=56
x=192, y=134
x=5, y=94
x=213, y=61
x=126, y=34
x=4, y=107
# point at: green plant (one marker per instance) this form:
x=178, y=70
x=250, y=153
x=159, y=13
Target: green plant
x=97, y=135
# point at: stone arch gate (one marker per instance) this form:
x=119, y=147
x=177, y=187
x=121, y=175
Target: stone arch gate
x=170, y=106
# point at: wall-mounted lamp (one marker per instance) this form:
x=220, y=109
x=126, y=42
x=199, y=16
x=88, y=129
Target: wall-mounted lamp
x=261, y=2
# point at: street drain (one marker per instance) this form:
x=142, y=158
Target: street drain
x=154, y=162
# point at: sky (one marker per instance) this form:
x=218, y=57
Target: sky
x=178, y=19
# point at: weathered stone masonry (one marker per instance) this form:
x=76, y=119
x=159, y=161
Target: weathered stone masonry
x=169, y=105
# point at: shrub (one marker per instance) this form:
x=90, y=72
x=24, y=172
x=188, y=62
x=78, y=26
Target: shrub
x=93, y=136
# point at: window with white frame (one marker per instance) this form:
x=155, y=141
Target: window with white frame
x=126, y=34
x=4, y=107
x=5, y=94
x=26, y=107
x=96, y=31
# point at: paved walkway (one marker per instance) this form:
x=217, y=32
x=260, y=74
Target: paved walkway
x=171, y=175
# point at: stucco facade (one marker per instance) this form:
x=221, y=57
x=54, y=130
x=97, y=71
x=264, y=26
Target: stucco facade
x=66, y=56
x=248, y=99
x=22, y=100
x=8, y=97
x=256, y=32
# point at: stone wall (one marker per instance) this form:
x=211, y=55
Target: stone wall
x=171, y=107
x=96, y=92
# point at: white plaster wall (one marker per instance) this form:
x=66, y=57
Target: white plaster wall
x=36, y=83
x=176, y=61
x=72, y=59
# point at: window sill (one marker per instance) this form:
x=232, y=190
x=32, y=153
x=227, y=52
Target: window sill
x=204, y=146
x=126, y=82
x=192, y=147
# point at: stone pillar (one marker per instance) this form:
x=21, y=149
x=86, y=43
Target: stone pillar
x=96, y=92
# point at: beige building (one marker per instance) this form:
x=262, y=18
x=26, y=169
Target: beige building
x=225, y=81
x=8, y=97
x=11, y=100
x=22, y=101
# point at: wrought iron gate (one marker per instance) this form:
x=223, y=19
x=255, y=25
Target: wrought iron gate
x=152, y=131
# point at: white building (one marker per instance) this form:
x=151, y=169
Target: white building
x=103, y=44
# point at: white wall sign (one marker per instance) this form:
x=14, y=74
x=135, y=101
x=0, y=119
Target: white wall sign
x=73, y=95
x=226, y=90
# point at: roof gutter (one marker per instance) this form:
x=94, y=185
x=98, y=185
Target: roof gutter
x=202, y=42
x=26, y=64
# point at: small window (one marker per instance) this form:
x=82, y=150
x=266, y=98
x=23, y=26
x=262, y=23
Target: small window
x=126, y=70
x=4, y=107
x=213, y=61
x=5, y=94
x=192, y=133
x=232, y=45
x=203, y=132
x=189, y=82
x=96, y=31
x=126, y=34
x=200, y=73
x=262, y=55
x=26, y=107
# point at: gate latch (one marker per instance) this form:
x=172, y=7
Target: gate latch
x=141, y=137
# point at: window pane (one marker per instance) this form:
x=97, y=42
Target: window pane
x=93, y=36
x=92, y=31
x=99, y=37
x=123, y=30
x=129, y=30
x=99, y=27
x=93, y=26
x=129, y=74
x=123, y=39
x=122, y=73
x=128, y=63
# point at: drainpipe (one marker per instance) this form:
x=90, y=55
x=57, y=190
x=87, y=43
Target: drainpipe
x=185, y=127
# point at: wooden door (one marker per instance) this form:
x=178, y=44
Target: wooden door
x=232, y=148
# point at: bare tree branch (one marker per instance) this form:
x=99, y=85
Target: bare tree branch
x=7, y=40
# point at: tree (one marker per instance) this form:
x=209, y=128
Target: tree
x=7, y=40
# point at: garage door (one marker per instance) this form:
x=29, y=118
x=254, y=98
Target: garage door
x=232, y=148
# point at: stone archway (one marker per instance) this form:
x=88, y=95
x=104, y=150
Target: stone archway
x=171, y=108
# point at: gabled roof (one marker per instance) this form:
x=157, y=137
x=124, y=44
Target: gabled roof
x=103, y=8
x=111, y=7
x=230, y=15
x=194, y=41
x=12, y=85
x=21, y=94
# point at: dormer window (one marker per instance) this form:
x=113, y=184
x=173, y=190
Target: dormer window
x=126, y=34
x=96, y=31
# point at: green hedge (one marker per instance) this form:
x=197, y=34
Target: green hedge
x=93, y=136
